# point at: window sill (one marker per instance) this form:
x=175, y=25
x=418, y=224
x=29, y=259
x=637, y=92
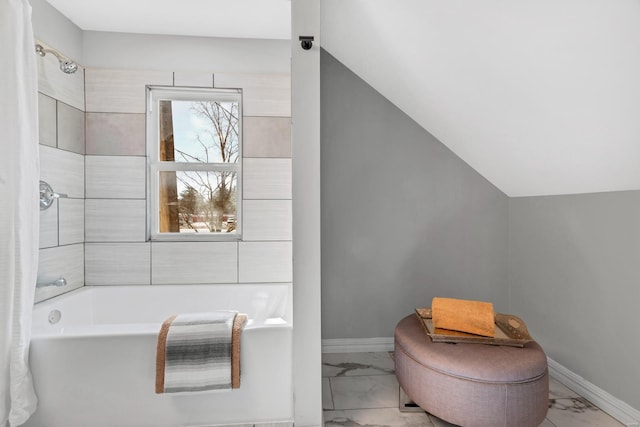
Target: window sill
x=196, y=237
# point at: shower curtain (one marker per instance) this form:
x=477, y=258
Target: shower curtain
x=19, y=208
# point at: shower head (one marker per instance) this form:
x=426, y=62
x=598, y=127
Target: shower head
x=66, y=65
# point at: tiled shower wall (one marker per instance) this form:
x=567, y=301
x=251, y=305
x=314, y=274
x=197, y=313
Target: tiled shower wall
x=61, y=130
x=117, y=251
x=93, y=148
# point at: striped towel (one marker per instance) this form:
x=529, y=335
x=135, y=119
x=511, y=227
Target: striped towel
x=199, y=352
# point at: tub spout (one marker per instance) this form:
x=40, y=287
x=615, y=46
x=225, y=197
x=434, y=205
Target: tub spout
x=57, y=283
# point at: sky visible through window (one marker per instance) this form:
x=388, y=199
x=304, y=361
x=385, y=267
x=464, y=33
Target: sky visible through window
x=190, y=131
x=187, y=126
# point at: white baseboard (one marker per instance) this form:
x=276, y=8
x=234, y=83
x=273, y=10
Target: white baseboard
x=357, y=345
x=594, y=394
x=611, y=405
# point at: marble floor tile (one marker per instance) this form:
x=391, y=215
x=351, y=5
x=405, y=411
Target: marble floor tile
x=327, y=398
x=578, y=412
x=437, y=422
x=568, y=409
x=365, y=392
x=557, y=389
x=285, y=424
x=352, y=364
x=386, y=417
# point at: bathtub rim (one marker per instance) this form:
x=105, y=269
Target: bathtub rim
x=86, y=294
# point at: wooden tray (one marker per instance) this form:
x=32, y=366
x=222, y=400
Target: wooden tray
x=510, y=330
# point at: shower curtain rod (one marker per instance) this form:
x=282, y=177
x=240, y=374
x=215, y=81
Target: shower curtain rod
x=66, y=65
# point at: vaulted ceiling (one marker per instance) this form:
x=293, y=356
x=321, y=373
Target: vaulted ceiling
x=540, y=97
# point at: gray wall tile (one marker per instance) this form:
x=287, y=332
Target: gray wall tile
x=266, y=137
x=265, y=262
x=114, y=220
x=262, y=94
x=49, y=227
x=118, y=177
x=116, y=134
x=266, y=178
x=115, y=209
x=121, y=91
x=71, y=221
x=118, y=263
x=47, y=120
x=70, y=128
x=266, y=220
x=63, y=170
x=193, y=79
x=194, y=262
x=61, y=261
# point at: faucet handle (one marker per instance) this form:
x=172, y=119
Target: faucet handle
x=47, y=195
x=57, y=283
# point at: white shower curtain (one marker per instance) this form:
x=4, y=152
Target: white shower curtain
x=19, y=208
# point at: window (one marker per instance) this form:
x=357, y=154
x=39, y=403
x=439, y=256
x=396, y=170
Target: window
x=195, y=149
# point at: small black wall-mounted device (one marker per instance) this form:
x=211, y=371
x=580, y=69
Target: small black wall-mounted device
x=306, y=42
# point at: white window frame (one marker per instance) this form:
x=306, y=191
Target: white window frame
x=155, y=166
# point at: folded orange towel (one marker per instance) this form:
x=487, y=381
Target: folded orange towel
x=474, y=317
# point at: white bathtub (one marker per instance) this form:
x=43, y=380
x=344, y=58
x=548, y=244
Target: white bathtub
x=96, y=366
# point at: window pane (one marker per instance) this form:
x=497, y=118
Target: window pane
x=197, y=202
x=199, y=131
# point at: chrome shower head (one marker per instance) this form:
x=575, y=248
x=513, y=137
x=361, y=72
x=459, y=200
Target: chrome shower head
x=66, y=65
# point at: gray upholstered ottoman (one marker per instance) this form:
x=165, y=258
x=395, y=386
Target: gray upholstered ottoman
x=472, y=384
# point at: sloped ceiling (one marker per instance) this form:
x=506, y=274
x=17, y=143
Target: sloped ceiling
x=540, y=97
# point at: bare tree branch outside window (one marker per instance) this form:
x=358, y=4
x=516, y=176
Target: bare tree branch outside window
x=206, y=199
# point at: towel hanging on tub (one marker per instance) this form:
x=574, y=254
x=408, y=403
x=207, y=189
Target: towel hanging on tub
x=199, y=352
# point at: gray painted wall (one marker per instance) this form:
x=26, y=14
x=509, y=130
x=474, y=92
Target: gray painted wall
x=575, y=279
x=181, y=53
x=55, y=29
x=403, y=218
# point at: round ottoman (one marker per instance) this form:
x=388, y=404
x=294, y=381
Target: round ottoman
x=472, y=384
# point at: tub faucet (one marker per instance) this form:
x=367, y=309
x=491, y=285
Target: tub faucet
x=57, y=283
